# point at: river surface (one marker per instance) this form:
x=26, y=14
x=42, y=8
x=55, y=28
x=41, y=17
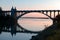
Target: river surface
x=29, y=24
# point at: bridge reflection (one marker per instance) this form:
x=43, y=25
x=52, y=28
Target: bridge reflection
x=9, y=24
x=19, y=29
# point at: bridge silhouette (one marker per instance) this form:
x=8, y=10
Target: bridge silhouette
x=16, y=14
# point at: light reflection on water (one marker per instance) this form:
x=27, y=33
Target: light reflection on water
x=34, y=24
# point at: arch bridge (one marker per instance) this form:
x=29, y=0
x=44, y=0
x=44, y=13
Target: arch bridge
x=19, y=13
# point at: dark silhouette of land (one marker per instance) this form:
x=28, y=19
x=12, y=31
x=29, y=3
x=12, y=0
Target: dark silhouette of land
x=50, y=33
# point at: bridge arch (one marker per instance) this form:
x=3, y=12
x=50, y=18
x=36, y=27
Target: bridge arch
x=24, y=13
x=30, y=21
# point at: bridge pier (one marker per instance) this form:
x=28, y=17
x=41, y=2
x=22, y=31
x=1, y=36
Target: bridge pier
x=50, y=13
x=54, y=14
x=14, y=20
x=46, y=12
x=58, y=12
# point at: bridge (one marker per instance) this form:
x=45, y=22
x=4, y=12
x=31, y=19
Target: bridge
x=19, y=13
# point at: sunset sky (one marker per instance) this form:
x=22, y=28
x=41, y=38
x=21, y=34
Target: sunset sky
x=30, y=4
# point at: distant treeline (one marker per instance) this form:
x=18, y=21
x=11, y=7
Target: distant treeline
x=35, y=17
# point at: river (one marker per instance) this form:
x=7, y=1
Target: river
x=29, y=24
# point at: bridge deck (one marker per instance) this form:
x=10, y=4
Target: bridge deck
x=32, y=10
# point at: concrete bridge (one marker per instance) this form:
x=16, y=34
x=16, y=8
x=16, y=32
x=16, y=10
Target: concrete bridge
x=14, y=11
x=19, y=13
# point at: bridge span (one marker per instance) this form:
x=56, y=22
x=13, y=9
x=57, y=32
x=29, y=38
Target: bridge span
x=45, y=12
x=16, y=14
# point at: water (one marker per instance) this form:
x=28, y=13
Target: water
x=29, y=24
x=35, y=24
x=18, y=36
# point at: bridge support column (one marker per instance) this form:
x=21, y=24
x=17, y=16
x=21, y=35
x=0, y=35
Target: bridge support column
x=46, y=13
x=42, y=12
x=58, y=12
x=50, y=13
x=14, y=20
x=54, y=14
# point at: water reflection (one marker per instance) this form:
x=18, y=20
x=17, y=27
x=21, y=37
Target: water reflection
x=13, y=29
x=8, y=23
x=35, y=24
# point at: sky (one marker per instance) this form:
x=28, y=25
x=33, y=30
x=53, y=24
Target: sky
x=30, y=4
